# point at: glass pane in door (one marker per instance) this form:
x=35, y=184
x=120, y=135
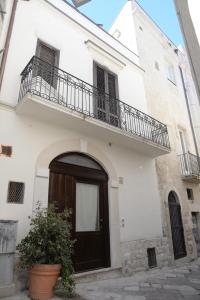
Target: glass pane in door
x=87, y=207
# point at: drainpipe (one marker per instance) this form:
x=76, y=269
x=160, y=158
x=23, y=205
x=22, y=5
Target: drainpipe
x=7, y=42
x=190, y=117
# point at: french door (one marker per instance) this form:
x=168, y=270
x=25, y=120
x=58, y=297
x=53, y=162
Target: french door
x=106, y=103
x=49, y=60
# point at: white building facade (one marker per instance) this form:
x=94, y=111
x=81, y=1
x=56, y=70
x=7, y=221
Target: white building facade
x=74, y=143
x=171, y=96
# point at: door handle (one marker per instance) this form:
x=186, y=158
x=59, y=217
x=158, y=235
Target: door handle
x=101, y=224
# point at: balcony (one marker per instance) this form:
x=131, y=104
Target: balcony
x=190, y=167
x=48, y=92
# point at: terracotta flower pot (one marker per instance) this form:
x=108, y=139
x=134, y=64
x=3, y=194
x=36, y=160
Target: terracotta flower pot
x=42, y=279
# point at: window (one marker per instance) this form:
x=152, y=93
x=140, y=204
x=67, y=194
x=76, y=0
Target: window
x=157, y=66
x=190, y=194
x=171, y=74
x=15, y=192
x=151, y=254
x=46, y=70
x=183, y=142
x=107, y=107
x=79, y=160
x=2, y=8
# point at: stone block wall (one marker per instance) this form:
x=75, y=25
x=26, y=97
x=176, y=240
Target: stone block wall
x=134, y=254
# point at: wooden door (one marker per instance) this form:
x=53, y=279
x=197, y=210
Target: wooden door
x=47, y=66
x=176, y=226
x=85, y=192
x=196, y=231
x=107, y=105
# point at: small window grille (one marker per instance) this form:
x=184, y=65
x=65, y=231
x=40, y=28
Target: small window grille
x=151, y=253
x=190, y=194
x=15, y=192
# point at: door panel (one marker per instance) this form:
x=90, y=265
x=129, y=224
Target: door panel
x=177, y=230
x=46, y=70
x=107, y=106
x=101, y=98
x=196, y=231
x=90, y=229
x=88, y=201
x=57, y=191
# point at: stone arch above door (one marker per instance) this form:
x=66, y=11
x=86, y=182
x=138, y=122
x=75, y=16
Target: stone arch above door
x=41, y=184
x=173, y=198
x=74, y=145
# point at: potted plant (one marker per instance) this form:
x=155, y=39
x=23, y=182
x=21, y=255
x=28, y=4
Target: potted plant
x=46, y=253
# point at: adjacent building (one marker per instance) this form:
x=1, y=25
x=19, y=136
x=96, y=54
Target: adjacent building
x=74, y=111
x=171, y=97
x=188, y=14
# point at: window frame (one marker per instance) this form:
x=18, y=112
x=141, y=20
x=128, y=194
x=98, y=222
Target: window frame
x=190, y=194
x=171, y=75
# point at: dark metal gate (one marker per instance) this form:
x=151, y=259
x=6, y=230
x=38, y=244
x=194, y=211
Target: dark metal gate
x=176, y=226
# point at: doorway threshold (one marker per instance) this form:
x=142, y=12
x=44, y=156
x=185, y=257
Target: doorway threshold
x=98, y=274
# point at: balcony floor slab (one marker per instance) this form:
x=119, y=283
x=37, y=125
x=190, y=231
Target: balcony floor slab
x=39, y=108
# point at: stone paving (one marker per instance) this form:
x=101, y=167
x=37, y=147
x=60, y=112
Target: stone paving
x=169, y=283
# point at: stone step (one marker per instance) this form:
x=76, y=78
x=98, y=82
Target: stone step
x=100, y=274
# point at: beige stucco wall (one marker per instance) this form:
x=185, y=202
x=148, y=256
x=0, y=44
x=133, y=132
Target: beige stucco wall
x=166, y=102
x=188, y=13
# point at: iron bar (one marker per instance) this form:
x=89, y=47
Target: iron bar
x=189, y=165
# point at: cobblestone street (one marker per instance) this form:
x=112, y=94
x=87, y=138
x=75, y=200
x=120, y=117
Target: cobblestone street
x=169, y=283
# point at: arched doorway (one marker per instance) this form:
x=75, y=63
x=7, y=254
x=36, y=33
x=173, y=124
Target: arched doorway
x=176, y=226
x=79, y=183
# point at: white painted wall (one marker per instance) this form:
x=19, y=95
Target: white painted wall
x=123, y=23
x=139, y=206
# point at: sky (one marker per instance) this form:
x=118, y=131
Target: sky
x=161, y=11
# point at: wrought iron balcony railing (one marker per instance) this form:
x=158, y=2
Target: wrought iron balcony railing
x=190, y=165
x=55, y=85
